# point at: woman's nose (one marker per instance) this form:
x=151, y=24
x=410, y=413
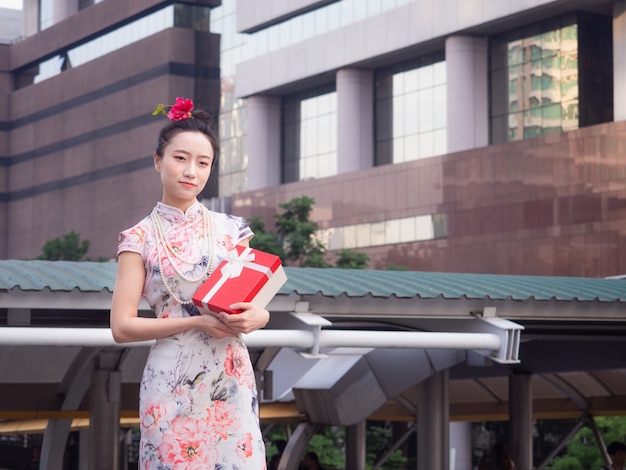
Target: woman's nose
x=190, y=169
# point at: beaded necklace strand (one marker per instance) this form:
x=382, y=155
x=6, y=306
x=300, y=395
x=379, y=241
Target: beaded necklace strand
x=171, y=253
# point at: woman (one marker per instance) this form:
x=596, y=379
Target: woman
x=198, y=403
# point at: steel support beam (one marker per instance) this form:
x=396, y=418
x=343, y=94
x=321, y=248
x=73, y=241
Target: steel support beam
x=520, y=440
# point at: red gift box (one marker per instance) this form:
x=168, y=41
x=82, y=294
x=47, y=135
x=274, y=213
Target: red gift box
x=247, y=275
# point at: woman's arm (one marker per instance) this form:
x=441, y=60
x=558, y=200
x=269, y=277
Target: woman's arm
x=127, y=326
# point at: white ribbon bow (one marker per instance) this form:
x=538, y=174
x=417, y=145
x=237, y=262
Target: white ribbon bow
x=235, y=262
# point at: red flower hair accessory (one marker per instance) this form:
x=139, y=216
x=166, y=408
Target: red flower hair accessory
x=179, y=111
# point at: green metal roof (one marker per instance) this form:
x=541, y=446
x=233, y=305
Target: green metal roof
x=36, y=275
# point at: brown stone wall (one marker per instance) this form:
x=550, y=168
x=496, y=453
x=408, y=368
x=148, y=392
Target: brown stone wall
x=553, y=205
x=81, y=144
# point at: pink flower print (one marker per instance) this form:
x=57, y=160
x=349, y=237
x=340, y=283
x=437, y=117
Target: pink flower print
x=244, y=446
x=152, y=418
x=168, y=271
x=190, y=445
x=236, y=365
x=224, y=418
x=228, y=242
x=183, y=248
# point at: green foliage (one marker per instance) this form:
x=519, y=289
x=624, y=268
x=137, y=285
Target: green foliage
x=328, y=444
x=264, y=240
x=395, y=267
x=69, y=248
x=295, y=239
x=315, y=259
x=351, y=259
x=582, y=450
x=274, y=436
x=298, y=233
x=378, y=439
x=159, y=110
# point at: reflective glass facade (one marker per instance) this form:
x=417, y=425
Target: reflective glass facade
x=387, y=232
x=318, y=155
x=314, y=23
x=411, y=111
x=177, y=15
x=232, y=119
x=310, y=135
x=542, y=74
x=543, y=83
x=318, y=136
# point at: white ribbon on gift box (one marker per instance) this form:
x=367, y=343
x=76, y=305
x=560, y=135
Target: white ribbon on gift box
x=233, y=268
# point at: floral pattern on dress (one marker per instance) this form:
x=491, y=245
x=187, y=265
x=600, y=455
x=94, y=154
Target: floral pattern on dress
x=198, y=402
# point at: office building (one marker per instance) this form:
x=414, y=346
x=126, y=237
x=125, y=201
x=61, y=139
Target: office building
x=469, y=137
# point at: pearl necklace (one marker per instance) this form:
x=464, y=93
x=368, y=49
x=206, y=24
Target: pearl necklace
x=169, y=250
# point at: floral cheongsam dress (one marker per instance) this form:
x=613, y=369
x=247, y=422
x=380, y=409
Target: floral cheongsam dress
x=198, y=402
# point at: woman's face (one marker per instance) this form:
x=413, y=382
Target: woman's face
x=184, y=168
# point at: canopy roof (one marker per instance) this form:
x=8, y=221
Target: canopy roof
x=566, y=331
x=95, y=277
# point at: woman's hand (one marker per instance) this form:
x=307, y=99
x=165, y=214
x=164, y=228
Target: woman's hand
x=252, y=318
x=214, y=326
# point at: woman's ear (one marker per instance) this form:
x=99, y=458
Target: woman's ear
x=157, y=162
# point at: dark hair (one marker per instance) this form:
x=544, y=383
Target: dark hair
x=614, y=447
x=313, y=456
x=200, y=121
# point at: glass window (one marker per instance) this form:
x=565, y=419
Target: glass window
x=370, y=234
x=411, y=105
x=310, y=136
x=235, y=47
x=195, y=17
x=542, y=64
x=46, y=14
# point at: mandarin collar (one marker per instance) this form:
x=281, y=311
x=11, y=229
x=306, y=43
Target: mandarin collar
x=175, y=215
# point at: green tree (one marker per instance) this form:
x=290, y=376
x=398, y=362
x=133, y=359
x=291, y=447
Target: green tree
x=328, y=444
x=69, y=248
x=378, y=439
x=351, y=259
x=295, y=238
x=582, y=450
x=265, y=240
x=298, y=233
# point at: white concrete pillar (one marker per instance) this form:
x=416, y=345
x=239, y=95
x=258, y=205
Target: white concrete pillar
x=30, y=17
x=520, y=439
x=263, y=141
x=433, y=416
x=460, y=445
x=64, y=9
x=619, y=60
x=355, y=120
x=467, y=75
